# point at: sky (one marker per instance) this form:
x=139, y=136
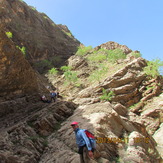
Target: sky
x=138, y=24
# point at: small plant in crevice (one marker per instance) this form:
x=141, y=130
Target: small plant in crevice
x=22, y=49
x=9, y=34
x=107, y=95
x=53, y=71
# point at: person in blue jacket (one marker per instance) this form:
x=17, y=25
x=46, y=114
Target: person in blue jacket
x=53, y=95
x=84, y=146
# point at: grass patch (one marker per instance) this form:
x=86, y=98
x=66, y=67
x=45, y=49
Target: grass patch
x=107, y=95
x=53, y=71
x=70, y=76
x=114, y=55
x=99, y=73
x=83, y=50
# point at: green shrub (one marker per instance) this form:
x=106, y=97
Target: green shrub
x=70, y=76
x=65, y=68
x=45, y=17
x=154, y=68
x=53, y=71
x=68, y=34
x=114, y=55
x=97, y=57
x=22, y=49
x=99, y=73
x=9, y=34
x=136, y=54
x=83, y=50
x=107, y=95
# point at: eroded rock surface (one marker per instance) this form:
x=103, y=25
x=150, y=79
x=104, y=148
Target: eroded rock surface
x=47, y=44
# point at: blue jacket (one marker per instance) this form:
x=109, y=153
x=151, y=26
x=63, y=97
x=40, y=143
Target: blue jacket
x=53, y=94
x=82, y=139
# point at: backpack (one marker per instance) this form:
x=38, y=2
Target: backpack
x=53, y=94
x=91, y=138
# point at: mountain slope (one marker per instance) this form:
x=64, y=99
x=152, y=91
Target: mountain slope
x=46, y=43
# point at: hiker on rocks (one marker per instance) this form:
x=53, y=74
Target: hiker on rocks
x=85, y=148
x=44, y=99
x=53, y=95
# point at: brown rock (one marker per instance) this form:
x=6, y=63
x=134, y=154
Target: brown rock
x=42, y=38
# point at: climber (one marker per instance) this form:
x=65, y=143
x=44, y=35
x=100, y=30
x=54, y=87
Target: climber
x=53, y=95
x=44, y=99
x=84, y=146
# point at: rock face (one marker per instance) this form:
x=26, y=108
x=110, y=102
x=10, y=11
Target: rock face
x=47, y=44
x=26, y=141
x=17, y=76
x=113, y=45
x=20, y=85
x=35, y=132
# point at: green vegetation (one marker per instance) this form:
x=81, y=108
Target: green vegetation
x=107, y=95
x=101, y=61
x=114, y=55
x=68, y=34
x=83, y=50
x=106, y=55
x=53, y=71
x=153, y=68
x=45, y=17
x=65, y=68
x=9, y=34
x=33, y=8
x=70, y=76
x=136, y=54
x=99, y=73
x=97, y=56
x=150, y=87
x=22, y=49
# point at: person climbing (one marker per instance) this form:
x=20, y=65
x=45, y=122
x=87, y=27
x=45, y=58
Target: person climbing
x=53, y=95
x=44, y=99
x=85, y=148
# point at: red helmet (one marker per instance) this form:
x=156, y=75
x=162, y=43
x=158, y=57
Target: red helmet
x=74, y=123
